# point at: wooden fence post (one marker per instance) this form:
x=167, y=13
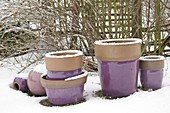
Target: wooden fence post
x=157, y=27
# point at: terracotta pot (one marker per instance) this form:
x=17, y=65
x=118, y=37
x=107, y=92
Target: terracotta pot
x=68, y=91
x=34, y=83
x=61, y=75
x=118, y=49
x=66, y=60
x=151, y=69
x=20, y=83
x=118, y=65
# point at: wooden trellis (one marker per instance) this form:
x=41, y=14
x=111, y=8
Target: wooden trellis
x=118, y=19
x=110, y=17
x=115, y=18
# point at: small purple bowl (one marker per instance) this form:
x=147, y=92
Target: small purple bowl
x=61, y=75
x=20, y=84
x=62, y=92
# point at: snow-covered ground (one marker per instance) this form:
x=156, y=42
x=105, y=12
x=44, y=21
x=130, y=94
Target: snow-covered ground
x=12, y=101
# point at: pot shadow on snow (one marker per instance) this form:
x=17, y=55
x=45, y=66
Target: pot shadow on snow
x=100, y=94
x=46, y=103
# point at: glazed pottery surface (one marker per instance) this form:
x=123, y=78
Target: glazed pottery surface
x=118, y=79
x=118, y=65
x=61, y=75
x=34, y=83
x=20, y=84
x=151, y=72
x=151, y=79
x=63, y=96
x=67, y=91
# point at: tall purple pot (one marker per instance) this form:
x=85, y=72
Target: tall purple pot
x=118, y=65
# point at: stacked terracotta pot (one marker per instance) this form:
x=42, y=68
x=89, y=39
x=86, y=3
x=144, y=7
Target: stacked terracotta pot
x=64, y=82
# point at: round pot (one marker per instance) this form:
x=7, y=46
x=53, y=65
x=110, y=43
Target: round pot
x=20, y=84
x=118, y=65
x=62, y=92
x=151, y=72
x=66, y=60
x=34, y=83
x=61, y=75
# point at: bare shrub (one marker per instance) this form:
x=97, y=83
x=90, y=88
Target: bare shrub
x=35, y=27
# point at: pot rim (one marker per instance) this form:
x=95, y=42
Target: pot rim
x=66, y=83
x=152, y=58
x=65, y=60
x=153, y=62
x=118, y=49
x=127, y=41
x=74, y=53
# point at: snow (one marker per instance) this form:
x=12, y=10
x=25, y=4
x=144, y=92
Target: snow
x=68, y=53
x=117, y=41
x=40, y=68
x=140, y=102
x=77, y=77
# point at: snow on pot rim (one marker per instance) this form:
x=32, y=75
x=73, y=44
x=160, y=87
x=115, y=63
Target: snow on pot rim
x=152, y=58
x=65, y=60
x=118, y=41
x=64, y=54
x=118, y=49
x=152, y=62
x=66, y=83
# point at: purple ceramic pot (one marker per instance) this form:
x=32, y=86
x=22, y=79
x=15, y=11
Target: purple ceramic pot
x=61, y=75
x=62, y=92
x=151, y=79
x=118, y=65
x=151, y=69
x=118, y=79
x=34, y=83
x=20, y=84
x=63, y=96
